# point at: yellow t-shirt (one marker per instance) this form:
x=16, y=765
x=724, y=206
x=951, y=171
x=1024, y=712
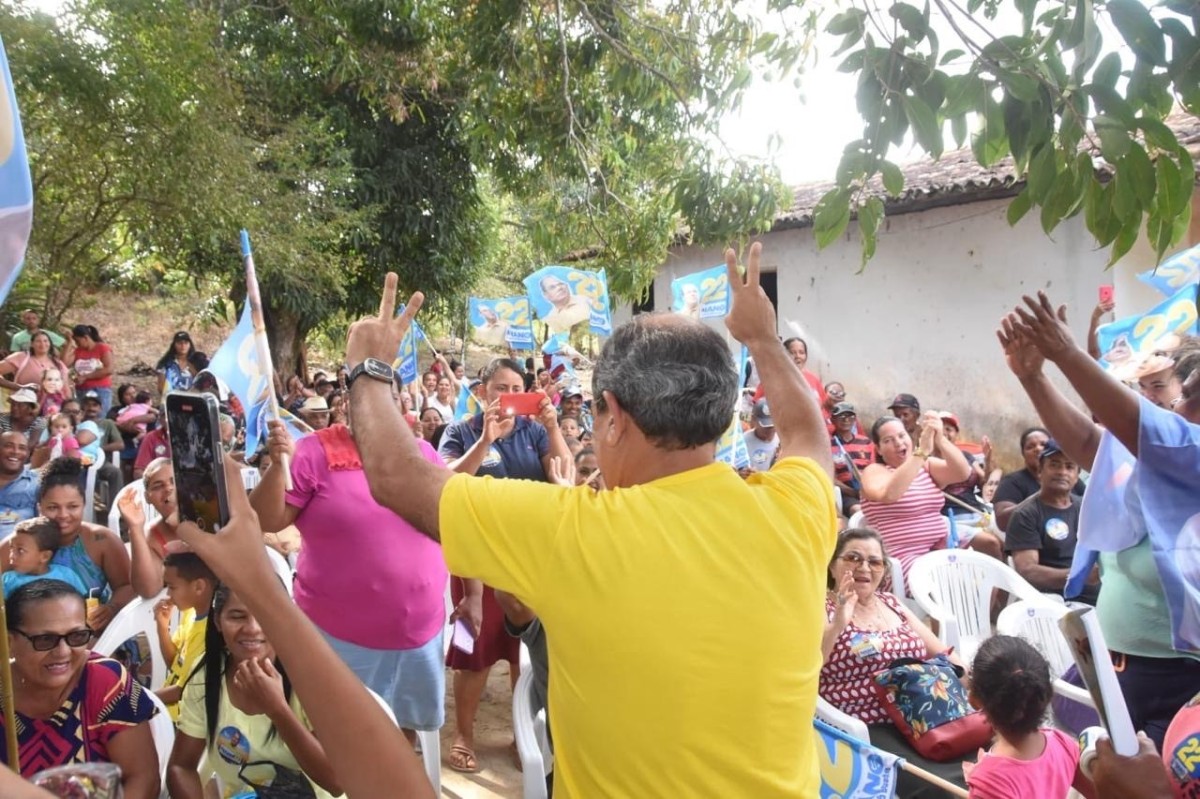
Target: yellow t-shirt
x=241, y=740
x=683, y=616
x=189, y=646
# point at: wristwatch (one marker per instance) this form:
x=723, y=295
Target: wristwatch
x=372, y=368
x=920, y=453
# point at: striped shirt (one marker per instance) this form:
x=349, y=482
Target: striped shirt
x=913, y=524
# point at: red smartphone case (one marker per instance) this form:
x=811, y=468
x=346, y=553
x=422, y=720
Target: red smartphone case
x=521, y=404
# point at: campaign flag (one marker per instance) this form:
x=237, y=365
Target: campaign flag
x=468, y=404
x=501, y=322
x=562, y=365
x=702, y=295
x=1128, y=341
x=731, y=446
x=556, y=343
x=564, y=297
x=1181, y=269
x=16, y=186
x=237, y=364
x=405, y=364
x=853, y=769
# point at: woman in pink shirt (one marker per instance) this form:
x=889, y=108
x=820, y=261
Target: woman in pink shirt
x=1010, y=682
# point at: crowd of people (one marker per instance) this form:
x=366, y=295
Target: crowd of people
x=682, y=616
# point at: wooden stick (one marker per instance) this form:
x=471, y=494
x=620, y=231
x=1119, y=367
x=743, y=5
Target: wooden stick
x=930, y=777
x=261, y=345
x=6, y=689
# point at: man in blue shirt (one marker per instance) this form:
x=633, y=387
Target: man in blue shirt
x=18, y=485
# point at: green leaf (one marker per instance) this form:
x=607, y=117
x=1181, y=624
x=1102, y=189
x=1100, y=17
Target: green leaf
x=962, y=95
x=915, y=23
x=1018, y=122
x=831, y=217
x=1159, y=230
x=1125, y=240
x=1061, y=198
x=951, y=55
x=847, y=22
x=869, y=215
x=1107, y=71
x=1020, y=86
x=893, y=178
x=924, y=124
x=1018, y=208
x=958, y=128
x=1115, y=140
x=1042, y=171
x=1140, y=31
x=990, y=142
x=1169, y=200
x=1157, y=133
x=1125, y=203
x=1137, y=167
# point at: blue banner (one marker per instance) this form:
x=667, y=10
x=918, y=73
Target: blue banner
x=564, y=297
x=501, y=323
x=1127, y=341
x=237, y=364
x=406, y=366
x=853, y=769
x=702, y=295
x=731, y=446
x=16, y=186
x=1181, y=269
x=468, y=404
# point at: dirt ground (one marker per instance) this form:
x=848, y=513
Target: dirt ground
x=498, y=775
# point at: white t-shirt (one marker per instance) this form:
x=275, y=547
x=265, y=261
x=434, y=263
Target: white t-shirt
x=761, y=452
x=447, y=411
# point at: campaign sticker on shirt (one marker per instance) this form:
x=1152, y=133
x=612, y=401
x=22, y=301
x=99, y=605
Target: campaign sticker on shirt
x=1185, y=761
x=1057, y=529
x=232, y=746
x=760, y=459
x=864, y=646
x=492, y=458
x=160, y=450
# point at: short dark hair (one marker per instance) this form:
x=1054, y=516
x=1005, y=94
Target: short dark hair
x=496, y=364
x=190, y=566
x=674, y=377
x=844, y=538
x=1027, y=432
x=1011, y=681
x=44, y=532
x=32, y=593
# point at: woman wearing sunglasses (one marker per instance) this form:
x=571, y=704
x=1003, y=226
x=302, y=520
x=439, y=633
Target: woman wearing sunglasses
x=72, y=705
x=866, y=629
x=238, y=707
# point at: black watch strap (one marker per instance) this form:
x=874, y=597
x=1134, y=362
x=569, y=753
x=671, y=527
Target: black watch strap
x=373, y=368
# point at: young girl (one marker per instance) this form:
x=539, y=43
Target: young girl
x=140, y=407
x=1011, y=683
x=52, y=393
x=239, y=708
x=63, y=443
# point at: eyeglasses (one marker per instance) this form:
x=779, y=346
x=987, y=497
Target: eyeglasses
x=854, y=560
x=44, y=642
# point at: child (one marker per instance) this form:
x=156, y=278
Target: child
x=34, y=543
x=139, y=407
x=63, y=443
x=1011, y=683
x=190, y=586
x=52, y=392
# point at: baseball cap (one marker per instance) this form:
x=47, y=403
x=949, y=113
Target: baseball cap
x=1051, y=448
x=950, y=418
x=905, y=401
x=23, y=395
x=91, y=395
x=762, y=414
x=843, y=408
x=573, y=390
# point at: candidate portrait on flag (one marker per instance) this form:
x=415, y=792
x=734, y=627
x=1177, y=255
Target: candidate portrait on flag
x=701, y=295
x=501, y=322
x=16, y=187
x=563, y=297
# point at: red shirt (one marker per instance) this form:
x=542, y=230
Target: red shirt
x=813, y=381
x=90, y=360
x=859, y=450
x=154, y=445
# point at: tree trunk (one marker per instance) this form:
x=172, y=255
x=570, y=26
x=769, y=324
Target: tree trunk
x=286, y=334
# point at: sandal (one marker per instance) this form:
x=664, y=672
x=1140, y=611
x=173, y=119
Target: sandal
x=462, y=759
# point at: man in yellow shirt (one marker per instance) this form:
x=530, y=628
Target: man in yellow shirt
x=684, y=606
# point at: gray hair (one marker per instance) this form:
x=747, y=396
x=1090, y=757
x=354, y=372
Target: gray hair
x=674, y=376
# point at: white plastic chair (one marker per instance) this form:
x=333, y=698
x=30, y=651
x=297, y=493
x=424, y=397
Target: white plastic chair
x=89, y=492
x=1037, y=623
x=251, y=477
x=431, y=756
x=162, y=730
x=138, y=489
x=529, y=729
x=114, y=458
x=856, y=520
x=136, y=617
x=282, y=568
x=954, y=586
x=855, y=728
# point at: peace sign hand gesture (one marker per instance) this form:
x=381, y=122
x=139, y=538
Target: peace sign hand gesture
x=379, y=337
x=751, y=316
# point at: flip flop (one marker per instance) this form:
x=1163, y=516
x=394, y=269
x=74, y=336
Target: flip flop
x=462, y=759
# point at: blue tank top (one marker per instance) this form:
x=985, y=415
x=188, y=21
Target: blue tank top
x=76, y=558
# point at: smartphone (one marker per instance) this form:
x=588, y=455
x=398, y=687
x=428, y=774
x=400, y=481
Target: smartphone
x=194, y=430
x=462, y=638
x=521, y=404
x=1106, y=294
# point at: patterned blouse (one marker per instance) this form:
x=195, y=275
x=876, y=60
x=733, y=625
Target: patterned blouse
x=106, y=701
x=858, y=655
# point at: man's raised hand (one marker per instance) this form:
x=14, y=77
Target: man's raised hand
x=751, y=315
x=379, y=337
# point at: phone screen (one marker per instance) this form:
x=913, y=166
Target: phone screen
x=194, y=430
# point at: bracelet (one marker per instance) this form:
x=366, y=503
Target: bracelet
x=920, y=453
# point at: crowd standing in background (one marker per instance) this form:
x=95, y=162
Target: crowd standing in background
x=682, y=617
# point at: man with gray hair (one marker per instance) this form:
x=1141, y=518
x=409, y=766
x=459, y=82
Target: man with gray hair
x=684, y=606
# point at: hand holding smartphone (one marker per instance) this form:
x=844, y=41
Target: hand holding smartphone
x=194, y=431
x=1106, y=295
x=524, y=404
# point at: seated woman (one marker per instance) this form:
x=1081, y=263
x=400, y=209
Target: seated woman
x=902, y=493
x=148, y=548
x=866, y=630
x=93, y=552
x=72, y=705
x=238, y=708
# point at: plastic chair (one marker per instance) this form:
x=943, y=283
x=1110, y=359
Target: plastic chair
x=431, y=755
x=138, y=489
x=89, y=491
x=954, y=586
x=162, y=730
x=529, y=728
x=1037, y=623
x=251, y=477
x=855, y=728
x=136, y=617
x=280, y=564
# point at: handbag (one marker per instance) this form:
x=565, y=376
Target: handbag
x=927, y=702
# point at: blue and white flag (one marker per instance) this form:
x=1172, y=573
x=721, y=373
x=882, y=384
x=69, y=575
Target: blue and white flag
x=702, y=295
x=236, y=363
x=1181, y=269
x=563, y=365
x=1105, y=523
x=502, y=322
x=731, y=446
x=16, y=186
x=468, y=404
x=853, y=769
x=564, y=297
x=556, y=343
x=1127, y=341
x=405, y=364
